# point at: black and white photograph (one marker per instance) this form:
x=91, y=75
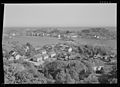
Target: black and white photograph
x=60, y=43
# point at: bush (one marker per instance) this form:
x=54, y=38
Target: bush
x=5, y=53
x=61, y=76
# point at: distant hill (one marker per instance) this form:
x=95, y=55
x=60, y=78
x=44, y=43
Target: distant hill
x=98, y=33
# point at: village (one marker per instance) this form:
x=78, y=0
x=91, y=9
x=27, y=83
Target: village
x=92, y=34
x=96, y=58
x=60, y=51
x=61, y=35
x=67, y=49
x=55, y=43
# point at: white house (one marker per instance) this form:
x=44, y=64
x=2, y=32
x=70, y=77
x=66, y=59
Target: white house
x=52, y=54
x=17, y=56
x=45, y=56
x=70, y=49
x=44, y=52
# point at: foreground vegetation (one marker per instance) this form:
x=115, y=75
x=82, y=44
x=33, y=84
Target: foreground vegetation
x=85, y=64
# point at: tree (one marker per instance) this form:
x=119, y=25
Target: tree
x=30, y=50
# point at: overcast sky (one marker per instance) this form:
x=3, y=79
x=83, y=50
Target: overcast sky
x=26, y=15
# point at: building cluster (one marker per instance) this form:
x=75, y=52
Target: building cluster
x=106, y=58
x=59, y=51
x=65, y=35
x=55, y=33
x=46, y=53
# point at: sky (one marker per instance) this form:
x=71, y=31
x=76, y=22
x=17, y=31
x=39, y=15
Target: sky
x=35, y=15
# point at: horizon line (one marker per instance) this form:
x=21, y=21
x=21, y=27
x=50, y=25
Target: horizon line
x=57, y=26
